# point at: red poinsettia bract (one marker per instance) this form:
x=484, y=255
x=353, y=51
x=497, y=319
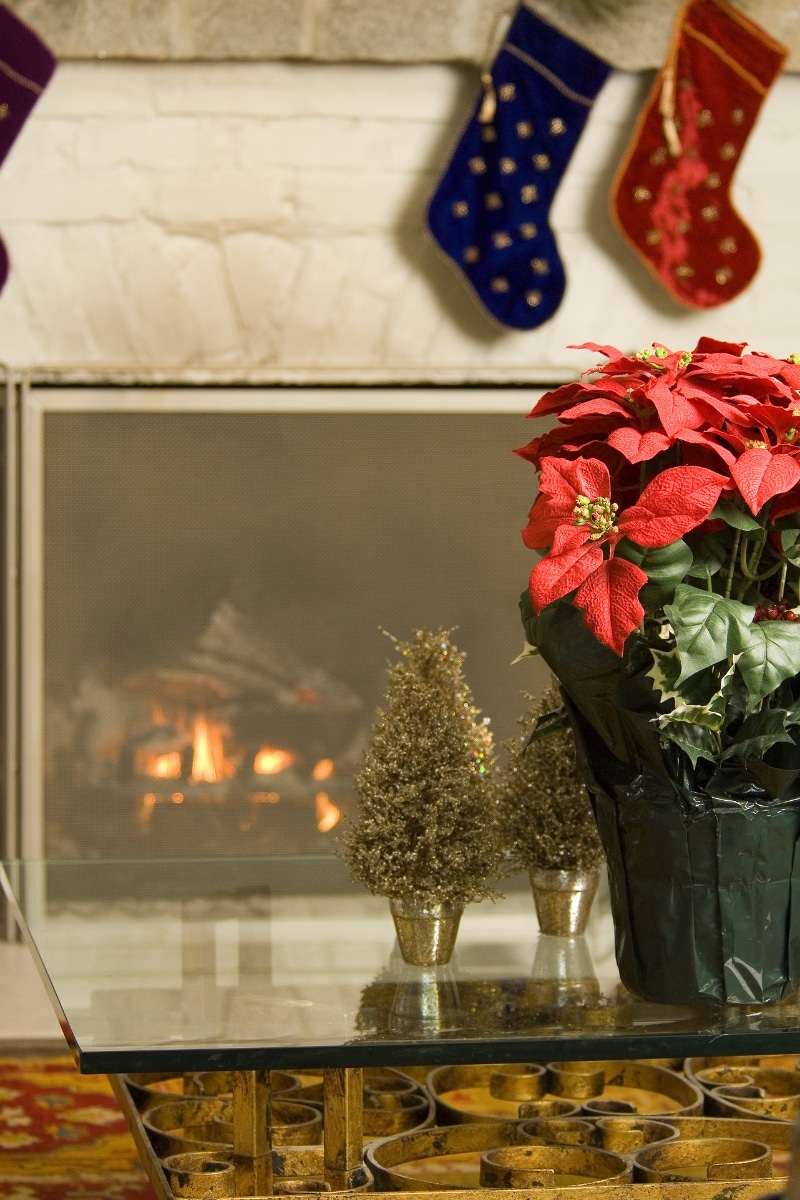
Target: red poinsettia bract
x=576, y=518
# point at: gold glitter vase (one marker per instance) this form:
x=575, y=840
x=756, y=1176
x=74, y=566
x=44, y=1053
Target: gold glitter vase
x=564, y=898
x=426, y=933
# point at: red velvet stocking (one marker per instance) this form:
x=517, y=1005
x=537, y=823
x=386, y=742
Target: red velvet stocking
x=671, y=195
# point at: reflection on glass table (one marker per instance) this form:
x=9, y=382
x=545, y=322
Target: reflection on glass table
x=283, y=963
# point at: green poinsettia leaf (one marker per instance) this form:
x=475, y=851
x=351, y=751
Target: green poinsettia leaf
x=708, y=555
x=695, y=740
x=758, y=733
x=708, y=628
x=664, y=566
x=792, y=551
x=771, y=656
x=789, y=538
x=731, y=514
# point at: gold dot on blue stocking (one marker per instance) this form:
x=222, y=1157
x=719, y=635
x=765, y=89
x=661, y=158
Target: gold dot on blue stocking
x=508, y=166
x=529, y=194
x=540, y=266
x=477, y=165
x=500, y=240
x=528, y=230
x=541, y=161
x=493, y=200
x=507, y=91
x=533, y=299
x=499, y=284
x=524, y=129
x=460, y=208
x=557, y=126
x=471, y=254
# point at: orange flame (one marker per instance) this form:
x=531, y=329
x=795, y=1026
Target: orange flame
x=208, y=755
x=327, y=813
x=159, y=766
x=323, y=769
x=270, y=761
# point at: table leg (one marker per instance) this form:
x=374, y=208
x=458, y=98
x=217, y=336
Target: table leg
x=252, y=1140
x=344, y=1121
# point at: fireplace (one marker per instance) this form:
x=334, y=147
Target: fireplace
x=204, y=574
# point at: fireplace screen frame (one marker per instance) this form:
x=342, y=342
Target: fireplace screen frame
x=29, y=400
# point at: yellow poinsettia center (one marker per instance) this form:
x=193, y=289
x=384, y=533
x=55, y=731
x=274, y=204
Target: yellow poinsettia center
x=600, y=514
x=754, y=444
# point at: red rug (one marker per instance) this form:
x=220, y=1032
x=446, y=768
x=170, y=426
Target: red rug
x=63, y=1137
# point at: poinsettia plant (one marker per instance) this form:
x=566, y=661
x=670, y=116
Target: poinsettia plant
x=668, y=516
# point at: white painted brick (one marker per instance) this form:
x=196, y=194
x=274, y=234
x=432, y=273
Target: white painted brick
x=271, y=215
x=81, y=89
x=180, y=144
x=63, y=198
x=302, y=89
x=349, y=202
x=262, y=272
x=204, y=200
x=103, y=145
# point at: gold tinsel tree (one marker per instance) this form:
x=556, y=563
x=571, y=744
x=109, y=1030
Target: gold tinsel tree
x=546, y=816
x=426, y=827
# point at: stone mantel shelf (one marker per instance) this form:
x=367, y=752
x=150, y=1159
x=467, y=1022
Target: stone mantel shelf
x=631, y=34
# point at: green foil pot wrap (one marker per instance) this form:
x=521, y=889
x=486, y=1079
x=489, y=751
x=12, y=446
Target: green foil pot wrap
x=703, y=869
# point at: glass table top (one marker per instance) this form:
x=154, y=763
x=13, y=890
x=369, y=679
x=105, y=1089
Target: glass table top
x=185, y=964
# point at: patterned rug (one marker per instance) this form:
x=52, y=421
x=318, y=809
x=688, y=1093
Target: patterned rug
x=62, y=1135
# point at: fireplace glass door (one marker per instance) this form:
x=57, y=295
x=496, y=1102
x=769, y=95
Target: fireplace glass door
x=206, y=575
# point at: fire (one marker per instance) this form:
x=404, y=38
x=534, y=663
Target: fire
x=159, y=766
x=208, y=753
x=323, y=769
x=327, y=813
x=270, y=761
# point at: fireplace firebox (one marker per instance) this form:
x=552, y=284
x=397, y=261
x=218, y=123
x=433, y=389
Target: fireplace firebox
x=199, y=580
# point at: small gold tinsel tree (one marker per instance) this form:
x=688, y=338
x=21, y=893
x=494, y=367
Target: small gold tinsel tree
x=426, y=828
x=546, y=816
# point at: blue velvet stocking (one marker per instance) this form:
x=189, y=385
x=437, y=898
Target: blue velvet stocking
x=490, y=210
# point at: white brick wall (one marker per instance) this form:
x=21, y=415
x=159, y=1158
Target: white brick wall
x=269, y=217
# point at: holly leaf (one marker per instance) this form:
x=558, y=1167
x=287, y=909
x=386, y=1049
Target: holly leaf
x=695, y=740
x=708, y=628
x=664, y=566
x=772, y=654
x=664, y=673
x=710, y=715
x=677, y=500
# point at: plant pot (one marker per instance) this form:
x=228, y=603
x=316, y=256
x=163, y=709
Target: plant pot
x=426, y=933
x=564, y=898
x=704, y=888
